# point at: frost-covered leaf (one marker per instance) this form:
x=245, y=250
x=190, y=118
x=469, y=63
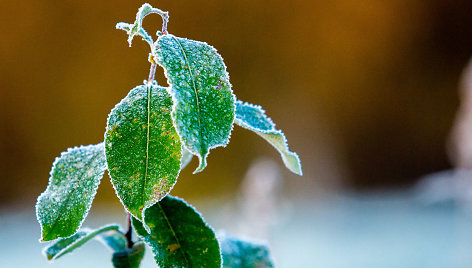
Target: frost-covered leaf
x=242, y=253
x=179, y=236
x=203, y=109
x=186, y=158
x=142, y=148
x=253, y=117
x=73, y=183
x=129, y=28
x=137, y=27
x=113, y=239
x=66, y=245
x=129, y=258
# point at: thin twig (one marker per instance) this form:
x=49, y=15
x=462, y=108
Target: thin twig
x=129, y=233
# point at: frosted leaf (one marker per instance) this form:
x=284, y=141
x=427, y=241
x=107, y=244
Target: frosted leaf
x=253, y=117
x=141, y=32
x=142, y=148
x=137, y=27
x=113, y=239
x=186, y=158
x=179, y=237
x=239, y=253
x=73, y=183
x=129, y=258
x=66, y=245
x=203, y=110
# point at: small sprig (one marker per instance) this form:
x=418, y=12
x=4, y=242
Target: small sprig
x=137, y=27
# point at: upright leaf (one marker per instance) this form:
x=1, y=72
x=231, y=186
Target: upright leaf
x=66, y=245
x=142, y=148
x=242, y=253
x=253, y=117
x=179, y=236
x=73, y=183
x=203, y=108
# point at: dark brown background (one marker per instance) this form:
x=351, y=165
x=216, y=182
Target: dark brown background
x=365, y=91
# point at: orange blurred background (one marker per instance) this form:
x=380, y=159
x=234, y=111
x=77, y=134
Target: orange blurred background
x=365, y=91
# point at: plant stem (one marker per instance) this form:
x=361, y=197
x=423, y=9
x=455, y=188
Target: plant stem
x=152, y=71
x=129, y=233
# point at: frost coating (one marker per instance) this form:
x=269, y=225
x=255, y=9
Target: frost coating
x=143, y=150
x=253, y=117
x=73, y=183
x=137, y=27
x=66, y=245
x=203, y=109
x=238, y=252
x=179, y=237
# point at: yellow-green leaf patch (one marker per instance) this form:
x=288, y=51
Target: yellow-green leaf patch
x=143, y=150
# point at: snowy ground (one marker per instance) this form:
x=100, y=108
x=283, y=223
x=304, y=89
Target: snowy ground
x=387, y=230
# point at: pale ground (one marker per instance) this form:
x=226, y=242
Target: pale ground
x=383, y=230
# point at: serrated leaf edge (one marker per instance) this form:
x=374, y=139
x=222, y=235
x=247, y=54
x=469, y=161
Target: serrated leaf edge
x=56, y=160
x=111, y=180
x=82, y=240
x=197, y=212
x=271, y=131
x=202, y=159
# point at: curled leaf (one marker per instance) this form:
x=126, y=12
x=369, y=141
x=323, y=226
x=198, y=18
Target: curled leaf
x=203, y=109
x=73, y=183
x=253, y=117
x=66, y=245
x=137, y=27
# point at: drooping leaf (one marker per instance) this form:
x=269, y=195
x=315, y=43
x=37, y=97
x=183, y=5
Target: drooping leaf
x=186, y=158
x=253, y=117
x=73, y=183
x=129, y=258
x=243, y=253
x=142, y=148
x=179, y=236
x=203, y=109
x=113, y=239
x=66, y=245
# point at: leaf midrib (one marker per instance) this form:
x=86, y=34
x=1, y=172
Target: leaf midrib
x=194, y=89
x=149, y=93
x=173, y=233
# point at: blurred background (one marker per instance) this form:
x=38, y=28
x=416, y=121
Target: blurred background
x=368, y=94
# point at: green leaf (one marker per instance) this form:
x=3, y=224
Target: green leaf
x=253, y=117
x=241, y=253
x=66, y=245
x=142, y=148
x=179, y=236
x=73, y=183
x=203, y=109
x=129, y=258
x=113, y=239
